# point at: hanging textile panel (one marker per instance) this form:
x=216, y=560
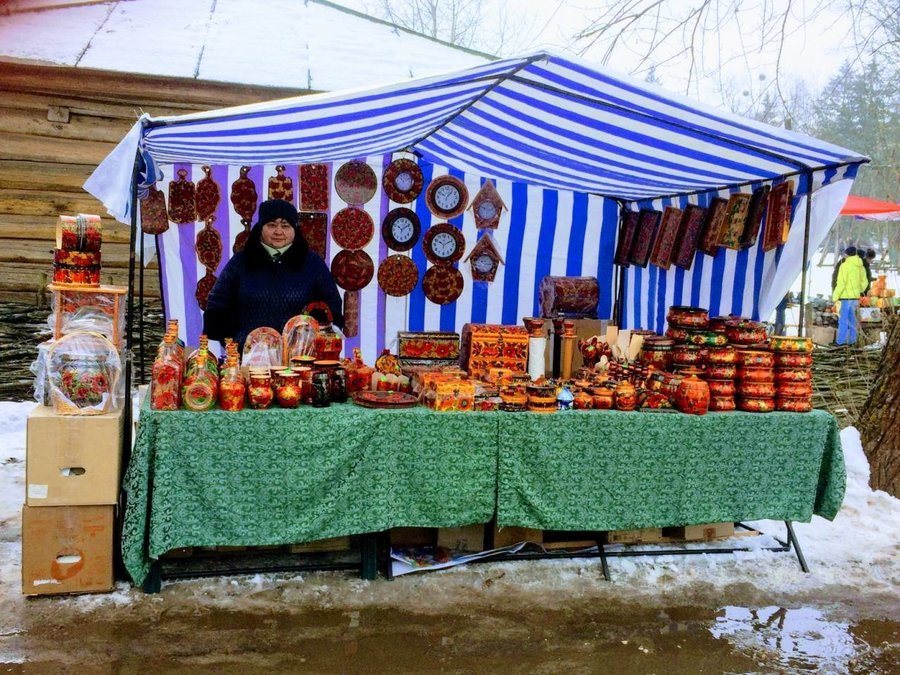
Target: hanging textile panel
x=545, y=232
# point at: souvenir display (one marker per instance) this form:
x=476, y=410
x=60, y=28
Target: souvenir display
x=76, y=260
x=314, y=187
x=263, y=348
x=352, y=270
x=401, y=229
x=328, y=344
x=450, y=395
x=314, y=228
x=298, y=337
x=352, y=228
x=243, y=198
x=208, y=196
x=735, y=219
x=754, y=216
x=442, y=285
x=688, y=235
x=687, y=317
x=402, y=181
x=166, y=376
x=154, y=219
x=384, y=399
x=486, y=346
x=447, y=197
x=182, y=201
x=712, y=228
x=259, y=392
x=398, y=275
x=351, y=314
x=443, y=244
x=280, y=185
x=83, y=370
x=427, y=349
x=778, y=216
x=485, y=259
x=666, y=237
x=487, y=207
x=648, y=220
x=627, y=230
x=99, y=310
x=745, y=332
x=355, y=182
x=572, y=297
x=693, y=394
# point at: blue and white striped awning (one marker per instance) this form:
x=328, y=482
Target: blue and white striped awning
x=544, y=119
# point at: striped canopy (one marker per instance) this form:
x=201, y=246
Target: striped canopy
x=543, y=119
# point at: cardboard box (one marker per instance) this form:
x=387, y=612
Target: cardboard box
x=331, y=545
x=706, y=532
x=487, y=346
x=67, y=549
x=584, y=328
x=469, y=538
x=402, y=537
x=72, y=460
x=823, y=335
x=645, y=535
x=507, y=536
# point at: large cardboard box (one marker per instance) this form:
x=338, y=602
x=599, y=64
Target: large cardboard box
x=72, y=460
x=469, y=538
x=67, y=549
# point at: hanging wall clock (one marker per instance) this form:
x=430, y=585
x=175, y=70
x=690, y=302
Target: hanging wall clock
x=487, y=207
x=401, y=229
x=402, y=181
x=352, y=270
x=485, y=259
x=444, y=244
x=447, y=197
x=352, y=228
x=355, y=182
x=398, y=275
x=442, y=284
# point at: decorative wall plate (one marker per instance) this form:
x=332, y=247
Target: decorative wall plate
x=207, y=195
x=243, y=196
x=314, y=228
x=402, y=181
x=384, y=399
x=314, y=187
x=398, y=275
x=442, y=284
x=355, y=182
x=352, y=270
x=401, y=229
x=352, y=227
x=444, y=244
x=447, y=196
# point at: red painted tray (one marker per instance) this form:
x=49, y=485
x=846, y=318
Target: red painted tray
x=384, y=399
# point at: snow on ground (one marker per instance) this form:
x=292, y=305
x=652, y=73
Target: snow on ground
x=855, y=568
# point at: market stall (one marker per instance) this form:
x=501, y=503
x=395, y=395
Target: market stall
x=564, y=158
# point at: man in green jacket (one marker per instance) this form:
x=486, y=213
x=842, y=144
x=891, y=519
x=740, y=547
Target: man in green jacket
x=851, y=283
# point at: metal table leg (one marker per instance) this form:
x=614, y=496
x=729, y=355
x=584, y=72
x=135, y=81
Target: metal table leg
x=792, y=539
x=153, y=582
x=603, y=562
x=368, y=552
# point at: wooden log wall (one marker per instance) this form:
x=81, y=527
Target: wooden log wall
x=56, y=125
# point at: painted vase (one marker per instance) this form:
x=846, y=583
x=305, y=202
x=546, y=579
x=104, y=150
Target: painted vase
x=287, y=392
x=625, y=396
x=692, y=396
x=260, y=393
x=583, y=401
x=231, y=395
x=603, y=398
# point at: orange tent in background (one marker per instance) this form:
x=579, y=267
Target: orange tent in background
x=870, y=209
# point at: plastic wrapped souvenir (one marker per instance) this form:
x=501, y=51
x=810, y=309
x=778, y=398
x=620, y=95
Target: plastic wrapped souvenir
x=166, y=377
x=299, y=337
x=83, y=370
x=263, y=349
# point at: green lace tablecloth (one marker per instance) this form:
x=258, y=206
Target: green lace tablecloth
x=263, y=477
x=606, y=470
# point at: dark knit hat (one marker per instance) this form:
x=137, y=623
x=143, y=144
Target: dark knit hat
x=274, y=209
x=850, y=250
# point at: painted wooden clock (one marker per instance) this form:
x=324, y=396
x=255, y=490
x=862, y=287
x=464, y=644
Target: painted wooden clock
x=485, y=259
x=444, y=244
x=401, y=229
x=487, y=207
x=447, y=197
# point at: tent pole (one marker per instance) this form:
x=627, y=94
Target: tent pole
x=141, y=308
x=801, y=328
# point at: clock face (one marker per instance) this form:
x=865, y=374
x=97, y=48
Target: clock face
x=483, y=263
x=403, y=181
x=401, y=229
x=487, y=210
x=447, y=196
x=444, y=244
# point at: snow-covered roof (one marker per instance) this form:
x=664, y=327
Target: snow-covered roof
x=300, y=44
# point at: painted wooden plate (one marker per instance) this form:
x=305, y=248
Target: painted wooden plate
x=402, y=181
x=352, y=228
x=398, y=275
x=384, y=399
x=355, y=182
x=352, y=270
x=442, y=284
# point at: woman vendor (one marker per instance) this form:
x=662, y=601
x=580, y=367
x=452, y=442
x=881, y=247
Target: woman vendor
x=271, y=280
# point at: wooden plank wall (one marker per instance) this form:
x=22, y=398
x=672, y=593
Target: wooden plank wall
x=56, y=125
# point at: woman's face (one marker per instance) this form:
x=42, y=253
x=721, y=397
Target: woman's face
x=277, y=233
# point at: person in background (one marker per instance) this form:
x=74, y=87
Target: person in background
x=850, y=284
x=867, y=259
x=837, y=267
x=271, y=280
